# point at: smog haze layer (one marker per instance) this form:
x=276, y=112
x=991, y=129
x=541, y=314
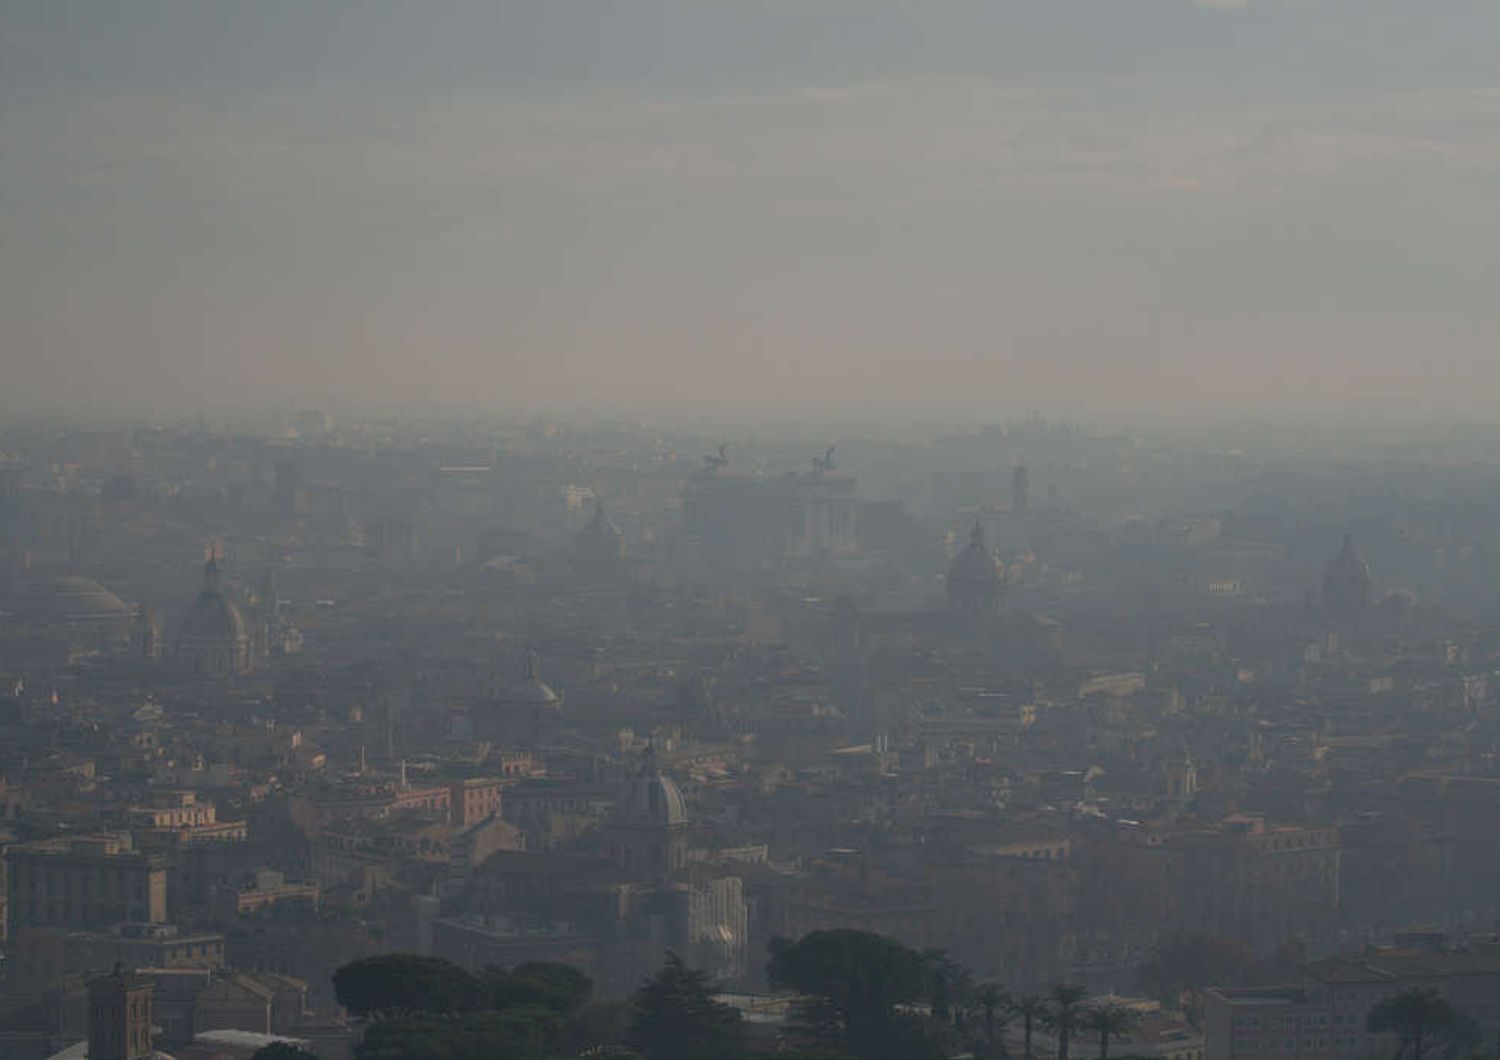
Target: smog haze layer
x=1132, y=206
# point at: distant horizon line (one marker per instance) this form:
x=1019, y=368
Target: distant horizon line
x=812, y=417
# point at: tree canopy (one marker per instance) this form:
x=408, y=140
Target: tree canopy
x=405, y=984
x=1108, y=1021
x=283, y=1051
x=1029, y=1009
x=1422, y=1019
x=1066, y=1014
x=991, y=1005
x=430, y=1009
x=675, y=1017
x=527, y=1033
x=558, y=988
x=858, y=979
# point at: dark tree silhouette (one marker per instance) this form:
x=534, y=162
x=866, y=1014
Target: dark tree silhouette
x=676, y=1017
x=524, y=1033
x=556, y=987
x=404, y=984
x=950, y=985
x=858, y=980
x=1066, y=1015
x=282, y=1051
x=599, y=1025
x=1108, y=1021
x=1421, y=1019
x=1031, y=1009
x=992, y=1004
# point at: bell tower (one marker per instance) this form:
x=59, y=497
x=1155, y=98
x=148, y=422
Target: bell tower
x=120, y=1017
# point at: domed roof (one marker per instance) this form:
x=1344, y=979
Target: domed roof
x=1349, y=563
x=600, y=539
x=212, y=615
x=530, y=689
x=653, y=797
x=975, y=565
x=1346, y=582
x=70, y=598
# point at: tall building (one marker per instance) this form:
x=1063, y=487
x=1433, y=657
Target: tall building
x=739, y=520
x=974, y=577
x=287, y=492
x=212, y=638
x=522, y=706
x=120, y=1017
x=1346, y=581
x=1020, y=489
x=846, y=666
x=87, y=882
x=1325, y=1016
x=821, y=509
x=649, y=832
x=599, y=547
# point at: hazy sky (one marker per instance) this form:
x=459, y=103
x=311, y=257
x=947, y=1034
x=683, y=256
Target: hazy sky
x=634, y=203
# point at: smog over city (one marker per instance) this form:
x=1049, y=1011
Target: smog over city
x=718, y=529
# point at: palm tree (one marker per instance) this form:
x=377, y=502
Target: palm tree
x=1031, y=1008
x=1419, y=1017
x=950, y=986
x=1066, y=1014
x=1108, y=1020
x=992, y=1002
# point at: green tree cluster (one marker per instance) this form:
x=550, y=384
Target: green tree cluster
x=283, y=1051
x=526, y=1033
x=1066, y=1015
x=865, y=993
x=1031, y=1010
x=424, y=1008
x=862, y=997
x=1108, y=1021
x=675, y=1017
x=1422, y=1020
x=404, y=984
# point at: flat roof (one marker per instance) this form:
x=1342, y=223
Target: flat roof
x=1247, y=996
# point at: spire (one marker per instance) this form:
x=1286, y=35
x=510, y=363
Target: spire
x=270, y=595
x=211, y=572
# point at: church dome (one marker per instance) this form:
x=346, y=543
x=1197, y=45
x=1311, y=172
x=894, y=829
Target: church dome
x=529, y=689
x=600, y=540
x=71, y=598
x=975, y=565
x=212, y=615
x=1346, y=581
x=974, y=575
x=653, y=798
x=211, y=637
